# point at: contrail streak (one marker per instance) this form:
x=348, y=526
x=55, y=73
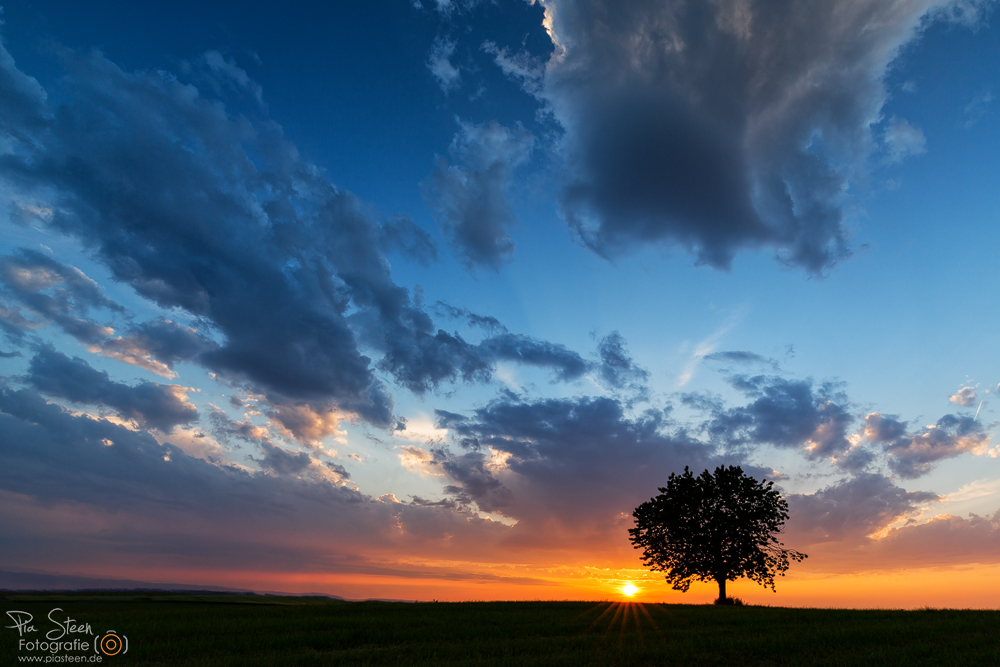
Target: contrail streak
x=977, y=411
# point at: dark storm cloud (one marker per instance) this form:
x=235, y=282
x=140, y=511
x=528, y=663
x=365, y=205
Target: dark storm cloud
x=784, y=413
x=200, y=208
x=852, y=509
x=721, y=125
x=913, y=453
x=662, y=174
x=153, y=405
x=565, y=363
x=469, y=197
x=54, y=292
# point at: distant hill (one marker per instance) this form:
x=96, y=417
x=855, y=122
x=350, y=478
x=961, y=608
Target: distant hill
x=37, y=581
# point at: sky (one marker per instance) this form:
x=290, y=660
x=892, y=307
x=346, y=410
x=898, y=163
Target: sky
x=419, y=299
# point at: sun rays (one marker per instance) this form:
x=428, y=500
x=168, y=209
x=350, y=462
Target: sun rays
x=625, y=618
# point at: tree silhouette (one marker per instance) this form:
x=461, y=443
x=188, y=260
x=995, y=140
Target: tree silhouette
x=714, y=528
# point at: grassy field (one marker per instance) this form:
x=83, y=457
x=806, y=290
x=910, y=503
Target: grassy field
x=165, y=629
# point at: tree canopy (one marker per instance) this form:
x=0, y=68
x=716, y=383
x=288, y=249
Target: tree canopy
x=714, y=527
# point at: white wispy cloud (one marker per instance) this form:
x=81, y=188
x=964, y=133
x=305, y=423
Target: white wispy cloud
x=439, y=63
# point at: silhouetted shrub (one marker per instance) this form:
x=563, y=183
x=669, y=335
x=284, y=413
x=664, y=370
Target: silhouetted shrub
x=736, y=602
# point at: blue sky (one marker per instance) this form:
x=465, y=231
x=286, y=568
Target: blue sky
x=567, y=245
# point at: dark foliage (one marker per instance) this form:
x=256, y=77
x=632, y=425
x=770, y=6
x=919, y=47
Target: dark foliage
x=733, y=602
x=714, y=527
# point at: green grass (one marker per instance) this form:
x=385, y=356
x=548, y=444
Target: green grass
x=168, y=629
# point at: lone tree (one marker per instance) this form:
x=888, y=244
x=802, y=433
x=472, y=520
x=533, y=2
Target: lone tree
x=713, y=528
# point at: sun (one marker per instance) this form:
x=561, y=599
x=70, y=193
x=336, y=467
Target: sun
x=629, y=590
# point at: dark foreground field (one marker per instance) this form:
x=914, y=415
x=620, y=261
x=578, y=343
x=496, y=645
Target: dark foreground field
x=164, y=629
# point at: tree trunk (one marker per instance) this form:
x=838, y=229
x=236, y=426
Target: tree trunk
x=722, y=589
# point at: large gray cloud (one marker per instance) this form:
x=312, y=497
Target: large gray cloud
x=201, y=208
x=207, y=211
x=722, y=125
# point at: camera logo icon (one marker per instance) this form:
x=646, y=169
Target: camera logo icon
x=112, y=644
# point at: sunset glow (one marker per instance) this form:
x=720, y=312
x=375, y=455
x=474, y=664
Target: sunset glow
x=424, y=307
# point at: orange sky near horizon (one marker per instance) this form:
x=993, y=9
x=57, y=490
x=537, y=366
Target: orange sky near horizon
x=904, y=570
x=970, y=586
